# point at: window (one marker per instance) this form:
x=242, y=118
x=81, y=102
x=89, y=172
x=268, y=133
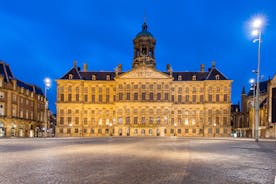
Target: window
x=107, y=77
x=93, y=98
x=92, y=131
x=99, y=131
x=77, y=97
x=107, y=98
x=85, y=121
x=194, y=130
x=194, y=98
x=127, y=120
x=166, y=96
x=120, y=96
x=158, y=96
x=70, y=76
x=194, y=77
x=179, y=77
x=210, y=98
x=179, y=131
x=201, y=98
x=186, y=130
x=135, y=120
x=151, y=96
x=93, y=77
x=217, y=97
x=69, y=120
x=62, y=97
x=150, y=120
x=135, y=97
x=158, y=120
x=69, y=97
x=128, y=96
x=187, y=90
x=143, y=96
x=76, y=130
x=217, y=77
x=172, y=98
x=179, y=98
x=225, y=99
x=76, y=120
x=68, y=130
x=100, y=98
x=187, y=98
x=61, y=120
x=61, y=130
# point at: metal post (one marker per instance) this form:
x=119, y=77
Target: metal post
x=257, y=104
x=45, y=111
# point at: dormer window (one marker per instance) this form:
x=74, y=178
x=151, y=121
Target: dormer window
x=194, y=77
x=107, y=77
x=93, y=77
x=179, y=77
x=217, y=77
x=70, y=76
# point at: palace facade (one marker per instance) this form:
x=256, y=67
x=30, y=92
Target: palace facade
x=22, y=106
x=143, y=101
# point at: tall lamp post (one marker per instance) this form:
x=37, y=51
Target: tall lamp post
x=257, y=25
x=47, y=85
x=253, y=88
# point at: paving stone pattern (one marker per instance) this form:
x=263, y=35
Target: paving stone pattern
x=123, y=160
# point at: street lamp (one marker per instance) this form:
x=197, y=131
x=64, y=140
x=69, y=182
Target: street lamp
x=257, y=25
x=47, y=85
x=253, y=88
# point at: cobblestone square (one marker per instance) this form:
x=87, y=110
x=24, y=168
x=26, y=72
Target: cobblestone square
x=114, y=160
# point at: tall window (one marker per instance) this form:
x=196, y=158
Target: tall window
x=100, y=98
x=179, y=98
x=107, y=98
x=166, y=96
x=69, y=97
x=217, y=97
x=151, y=96
x=143, y=96
x=135, y=120
x=210, y=98
x=120, y=96
x=158, y=96
x=93, y=99
x=225, y=99
x=128, y=96
x=135, y=97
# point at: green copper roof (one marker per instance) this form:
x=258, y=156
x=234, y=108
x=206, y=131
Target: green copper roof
x=144, y=31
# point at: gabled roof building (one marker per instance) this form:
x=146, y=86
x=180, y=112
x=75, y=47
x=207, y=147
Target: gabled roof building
x=143, y=101
x=22, y=106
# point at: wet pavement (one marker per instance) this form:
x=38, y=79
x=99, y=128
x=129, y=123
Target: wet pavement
x=112, y=160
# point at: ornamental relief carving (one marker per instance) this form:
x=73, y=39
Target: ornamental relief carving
x=144, y=72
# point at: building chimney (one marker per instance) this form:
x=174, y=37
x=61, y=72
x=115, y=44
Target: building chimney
x=120, y=68
x=202, y=67
x=85, y=67
x=213, y=64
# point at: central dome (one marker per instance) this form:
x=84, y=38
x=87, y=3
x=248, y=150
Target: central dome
x=144, y=31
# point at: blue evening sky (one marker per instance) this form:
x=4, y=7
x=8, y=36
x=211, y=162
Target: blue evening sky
x=42, y=38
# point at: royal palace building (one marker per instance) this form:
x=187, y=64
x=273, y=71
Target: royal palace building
x=143, y=101
x=22, y=106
